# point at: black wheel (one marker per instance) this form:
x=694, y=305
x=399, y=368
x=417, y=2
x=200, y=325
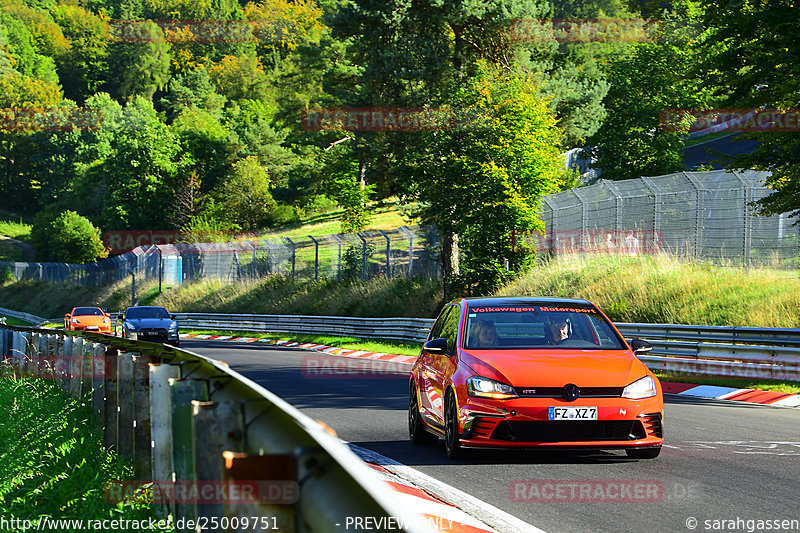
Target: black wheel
x=643, y=453
x=452, y=443
x=416, y=431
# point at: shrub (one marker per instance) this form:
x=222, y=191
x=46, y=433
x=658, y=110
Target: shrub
x=283, y=214
x=66, y=237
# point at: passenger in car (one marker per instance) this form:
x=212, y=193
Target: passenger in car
x=486, y=334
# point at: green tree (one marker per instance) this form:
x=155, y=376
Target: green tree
x=658, y=76
x=66, y=237
x=482, y=182
x=245, y=194
x=141, y=174
x=751, y=62
x=142, y=68
x=83, y=70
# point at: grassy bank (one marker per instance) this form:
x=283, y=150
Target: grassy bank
x=666, y=290
x=53, y=464
x=655, y=289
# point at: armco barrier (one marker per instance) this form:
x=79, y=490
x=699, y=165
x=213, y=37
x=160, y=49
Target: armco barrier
x=769, y=353
x=190, y=422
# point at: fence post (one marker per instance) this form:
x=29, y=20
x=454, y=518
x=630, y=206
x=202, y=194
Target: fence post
x=388, y=254
x=405, y=230
x=339, y=257
x=316, y=257
x=294, y=247
x=584, y=217
x=699, y=210
x=363, y=256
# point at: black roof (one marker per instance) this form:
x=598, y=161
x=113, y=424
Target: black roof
x=523, y=300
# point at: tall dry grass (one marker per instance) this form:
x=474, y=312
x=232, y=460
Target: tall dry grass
x=666, y=289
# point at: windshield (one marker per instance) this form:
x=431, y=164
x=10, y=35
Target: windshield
x=87, y=311
x=147, y=312
x=538, y=327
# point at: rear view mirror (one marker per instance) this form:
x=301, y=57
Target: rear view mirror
x=640, y=347
x=436, y=346
x=119, y=317
x=67, y=315
x=173, y=317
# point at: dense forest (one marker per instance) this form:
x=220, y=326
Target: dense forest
x=186, y=114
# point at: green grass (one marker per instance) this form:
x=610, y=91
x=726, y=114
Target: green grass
x=11, y=321
x=350, y=343
x=664, y=289
x=739, y=383
x=53, y=464
x=385, y=217
x=16, y=229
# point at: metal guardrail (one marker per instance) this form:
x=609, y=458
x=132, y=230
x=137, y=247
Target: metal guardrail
x=748, y=352
x=402, y=329
x=188, y=418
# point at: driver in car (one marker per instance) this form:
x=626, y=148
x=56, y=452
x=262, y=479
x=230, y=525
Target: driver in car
x=559, y=330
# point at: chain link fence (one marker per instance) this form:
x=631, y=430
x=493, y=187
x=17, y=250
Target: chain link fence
x=698, y=215
x=403, y=252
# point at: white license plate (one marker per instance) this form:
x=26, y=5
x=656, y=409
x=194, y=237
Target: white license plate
x=572, y=413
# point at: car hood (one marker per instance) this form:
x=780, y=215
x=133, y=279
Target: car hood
x=88, y=319
x=556, y=368
x=150, y=322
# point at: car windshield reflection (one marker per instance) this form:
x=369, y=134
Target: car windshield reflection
x=147, y=312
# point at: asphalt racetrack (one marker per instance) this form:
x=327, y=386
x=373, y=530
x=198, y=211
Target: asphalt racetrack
x=722, y=461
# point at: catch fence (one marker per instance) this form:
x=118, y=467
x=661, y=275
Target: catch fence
x=409, y=252
x=698, y=215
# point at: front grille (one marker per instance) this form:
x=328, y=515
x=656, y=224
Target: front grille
x=570, y=430
x=556, y=392
x=653, y=424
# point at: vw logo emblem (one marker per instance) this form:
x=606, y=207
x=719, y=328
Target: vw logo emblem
x=571, y=392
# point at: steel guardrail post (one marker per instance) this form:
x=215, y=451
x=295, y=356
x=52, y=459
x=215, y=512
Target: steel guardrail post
x=73, y=346
x=161, y=428
x=125, y=405
x=142, y=447
x=183, y=391
x=98, y=373
x=217, y=428
x=110, y=406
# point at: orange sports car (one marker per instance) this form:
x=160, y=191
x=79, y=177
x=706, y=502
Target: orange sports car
x=88, y=319
x=533, y=372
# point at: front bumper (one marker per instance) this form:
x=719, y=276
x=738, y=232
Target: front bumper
x=524, y=422
x=105, y=328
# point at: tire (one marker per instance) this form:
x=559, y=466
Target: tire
x=452, y=444
x=416, y=430
x=643, y=453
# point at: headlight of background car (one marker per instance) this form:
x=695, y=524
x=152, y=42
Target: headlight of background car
x=642, y=388
x=105, y=320
x=173, y=326
x=75, y=321
x=130, y=327
x=488, y=388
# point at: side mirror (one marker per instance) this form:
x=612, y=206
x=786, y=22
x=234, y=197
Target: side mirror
x=436, y=346
x=640, y=347
x=120, y=317
x=67, y=315
x=173, y=317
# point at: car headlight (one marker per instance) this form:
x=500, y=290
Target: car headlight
x=76, y=321
x=642, y=388
x=173, y=326
x=488, y=388
x=106, y=320
x=130, y=327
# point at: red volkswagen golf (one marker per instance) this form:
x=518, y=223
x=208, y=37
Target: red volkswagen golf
x=533, y=372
